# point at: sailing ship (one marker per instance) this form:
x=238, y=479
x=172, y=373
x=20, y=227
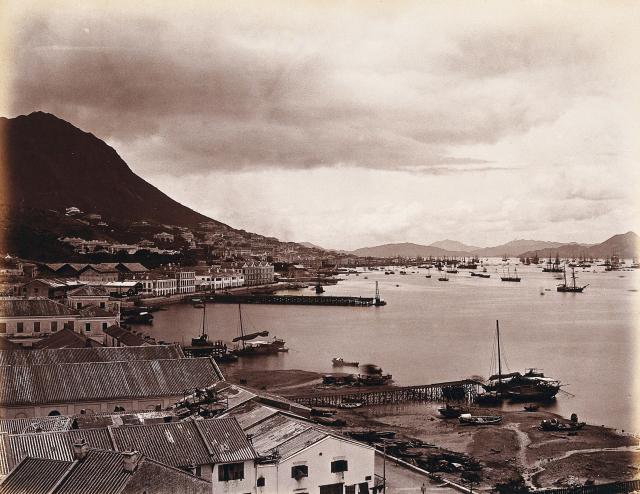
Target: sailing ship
x=515, y=276
x=428, y=275
x=444, y=277
x=530, y=386
x=553, y=266
x=571, y=288
x=249, y=346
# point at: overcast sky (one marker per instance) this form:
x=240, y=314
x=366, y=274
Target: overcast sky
x=354, y=124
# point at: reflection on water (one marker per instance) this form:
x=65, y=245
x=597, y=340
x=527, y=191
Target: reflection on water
x=432, y=331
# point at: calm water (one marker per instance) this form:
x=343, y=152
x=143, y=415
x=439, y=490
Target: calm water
x=433, y=331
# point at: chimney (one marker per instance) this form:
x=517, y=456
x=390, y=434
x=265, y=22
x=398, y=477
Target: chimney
x=80, y=449
x=130, y=460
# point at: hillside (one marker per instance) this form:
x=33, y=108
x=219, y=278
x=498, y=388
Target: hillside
x=625, y=245
x=50, y=164
x=516, y=248
x=453, y=245
x=405, y=249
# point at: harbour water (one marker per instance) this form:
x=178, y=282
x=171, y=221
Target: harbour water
x=433, y=331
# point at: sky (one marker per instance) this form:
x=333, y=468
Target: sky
x=351, y=124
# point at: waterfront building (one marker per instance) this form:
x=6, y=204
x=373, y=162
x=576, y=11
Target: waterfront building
x=99, y=272
x=257, y=273
x=27, y=321
x=101, y=386
x=186, y=281
x=96, y=470
x=92, y=295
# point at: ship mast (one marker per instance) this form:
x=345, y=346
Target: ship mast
x=241, y=329
x=499, y=359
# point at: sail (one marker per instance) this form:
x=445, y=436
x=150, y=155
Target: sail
x=251, y=336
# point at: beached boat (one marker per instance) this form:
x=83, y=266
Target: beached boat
x=530, y=386
x=340, y=362
x=452, y=411
x=468, y=419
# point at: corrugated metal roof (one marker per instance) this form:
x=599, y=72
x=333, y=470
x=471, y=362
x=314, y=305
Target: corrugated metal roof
x=53, y=445
x=33, y=307
x=176, y=444
x=90, y=381
x=226, y=440
x=250, y=413
x=88, y=291
x=36, y=424
x=234, y=395
x=300, y=442
x=271, y=433
x=34, y=476
x=48, y=356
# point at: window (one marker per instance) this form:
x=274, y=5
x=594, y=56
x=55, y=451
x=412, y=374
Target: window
x=3, y=327
x=260, y=482
x=339, y=466
x=350, y=489
x=230, y=471
x=20, y=327
x=104, y=326
x=54, y=326
x=103, y=305
x=87, y=326
x=364, y=487
x=71, y=325
x=36, y=327
x=78, y=305
x=299, y=471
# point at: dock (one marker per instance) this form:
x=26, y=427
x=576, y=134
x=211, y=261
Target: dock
x=295, y=300
x=464, y=391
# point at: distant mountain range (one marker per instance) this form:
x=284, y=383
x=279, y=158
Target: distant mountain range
x=624, y=245
x=453, y=245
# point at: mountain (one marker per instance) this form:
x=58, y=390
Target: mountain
x=453, y=245
x=405, y=249
x=309, y=245
x=50, y=164
x=624, y=245
x=516, y=248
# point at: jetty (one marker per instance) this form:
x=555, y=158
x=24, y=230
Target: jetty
x=295, y=300
x=464, y=391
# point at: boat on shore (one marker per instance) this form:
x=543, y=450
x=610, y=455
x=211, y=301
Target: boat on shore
x=340, y=362
x=452, y=411
x=468, y=419
x=533, y=385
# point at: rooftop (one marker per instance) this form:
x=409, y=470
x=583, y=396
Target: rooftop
x=40, y=307
x=66, y=338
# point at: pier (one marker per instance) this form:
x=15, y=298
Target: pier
x=464, y=391
x=296, y=300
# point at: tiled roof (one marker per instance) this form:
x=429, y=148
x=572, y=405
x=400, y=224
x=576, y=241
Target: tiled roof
x=108, y=419
x=36, y=424
x=177, y=444
x=233, y=395
x=250, y=413
x=53, y=445
x=226, y=440
x=6, y=344
x=66, y=338
x=102, y=472
x=300, y=442
x=33, y=307
x=125, y=336
x=88, y=291
x=133, y=267
x=77, y=355
x=34, y=476
x=95, y=311
x=100, y=268
x=64, y=383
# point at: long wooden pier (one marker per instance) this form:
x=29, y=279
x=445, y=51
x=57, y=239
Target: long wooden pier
x=463, y=391
x=294, y=300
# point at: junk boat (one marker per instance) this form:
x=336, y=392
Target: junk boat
x=203, y=347
x=571, y=288
x=468, y=419
x=340, y=362
x=530, y=386
x=249, y=346
x=481, y=275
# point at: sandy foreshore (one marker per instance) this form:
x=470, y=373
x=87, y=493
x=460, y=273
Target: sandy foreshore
x=513, y=448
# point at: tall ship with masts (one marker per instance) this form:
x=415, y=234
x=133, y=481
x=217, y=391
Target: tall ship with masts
x=530, y=386
x=248, y=345
x=573, y=288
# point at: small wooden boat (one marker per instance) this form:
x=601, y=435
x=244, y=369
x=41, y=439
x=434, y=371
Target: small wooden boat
x=340, y=362
x=452, y=411
x=468, y=419
x=531, y=407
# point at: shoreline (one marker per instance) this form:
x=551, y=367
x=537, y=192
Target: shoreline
x=516, y=447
